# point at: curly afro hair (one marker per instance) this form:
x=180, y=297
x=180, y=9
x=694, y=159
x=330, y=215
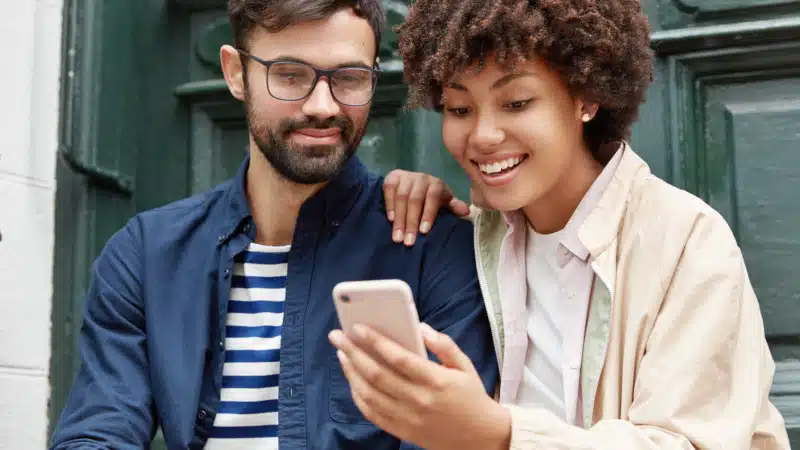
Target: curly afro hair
x=601, y=49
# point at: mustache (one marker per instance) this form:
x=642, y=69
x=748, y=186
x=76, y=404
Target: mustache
x=342, y=122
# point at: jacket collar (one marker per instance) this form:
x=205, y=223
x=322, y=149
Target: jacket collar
x=333, y=202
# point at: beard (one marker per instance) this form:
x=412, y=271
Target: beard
x=303, y=164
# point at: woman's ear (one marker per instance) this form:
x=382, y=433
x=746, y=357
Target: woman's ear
x=588, y=111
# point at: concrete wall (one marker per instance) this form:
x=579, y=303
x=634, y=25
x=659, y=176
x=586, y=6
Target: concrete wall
x=30, y=48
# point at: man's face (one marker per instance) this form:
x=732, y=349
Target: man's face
x=307, y=141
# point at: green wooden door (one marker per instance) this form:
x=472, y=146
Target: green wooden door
x=146, y=119
x=723, y=121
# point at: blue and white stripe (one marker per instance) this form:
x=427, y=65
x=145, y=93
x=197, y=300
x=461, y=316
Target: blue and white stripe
x=247, y=416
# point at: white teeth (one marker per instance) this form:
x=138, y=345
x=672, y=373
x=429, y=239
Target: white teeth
x=499, y=166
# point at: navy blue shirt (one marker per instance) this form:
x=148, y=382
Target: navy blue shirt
x=152, y=341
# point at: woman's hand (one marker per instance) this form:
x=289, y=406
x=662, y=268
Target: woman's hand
x=438, y=407
x=412, y=201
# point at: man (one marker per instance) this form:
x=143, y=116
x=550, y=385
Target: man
x=209, y=317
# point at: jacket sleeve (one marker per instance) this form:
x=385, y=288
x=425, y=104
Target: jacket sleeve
x=706, y=373
x=110, y=406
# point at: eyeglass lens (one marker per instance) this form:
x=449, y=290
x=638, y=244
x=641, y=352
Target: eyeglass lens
x=294, y=81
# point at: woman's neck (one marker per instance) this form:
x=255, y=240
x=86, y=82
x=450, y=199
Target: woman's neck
x=552, y=211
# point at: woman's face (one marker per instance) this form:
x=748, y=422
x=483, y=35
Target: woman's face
x=518, y=135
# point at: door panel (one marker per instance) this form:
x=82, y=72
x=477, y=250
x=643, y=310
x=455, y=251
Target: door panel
x=753, y=174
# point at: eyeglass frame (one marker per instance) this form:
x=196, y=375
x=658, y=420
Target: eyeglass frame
x=318, y=73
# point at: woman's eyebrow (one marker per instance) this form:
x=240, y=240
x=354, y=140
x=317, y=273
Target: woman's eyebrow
x=497, y=84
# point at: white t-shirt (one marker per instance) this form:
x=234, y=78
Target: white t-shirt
x=247, y=417
x=543, y=381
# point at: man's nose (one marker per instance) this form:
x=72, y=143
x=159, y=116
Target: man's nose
x=320, y=103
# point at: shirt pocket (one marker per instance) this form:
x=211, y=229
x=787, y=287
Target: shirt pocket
x=342, y=407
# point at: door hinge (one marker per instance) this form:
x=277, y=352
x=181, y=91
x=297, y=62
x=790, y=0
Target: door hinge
x=105, y=178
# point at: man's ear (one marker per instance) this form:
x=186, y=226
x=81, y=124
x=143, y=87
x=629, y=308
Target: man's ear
x=233, y=70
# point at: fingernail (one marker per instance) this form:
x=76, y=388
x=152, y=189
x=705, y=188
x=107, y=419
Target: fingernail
x=398, y=236
x=427, y=331
x=390, y=214
x=340, y=355
x=410, y=239
x=335, y=339
x=425, y=227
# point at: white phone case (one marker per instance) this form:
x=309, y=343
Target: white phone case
x=387, y=306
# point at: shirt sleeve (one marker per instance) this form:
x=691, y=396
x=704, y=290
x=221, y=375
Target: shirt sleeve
x=450, y=296
x=110, y=405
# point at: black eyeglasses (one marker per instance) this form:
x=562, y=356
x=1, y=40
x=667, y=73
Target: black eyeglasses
x=292, y=81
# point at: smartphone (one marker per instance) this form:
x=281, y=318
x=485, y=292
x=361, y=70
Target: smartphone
x=386, y=306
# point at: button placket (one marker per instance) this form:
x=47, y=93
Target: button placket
x=563, y=256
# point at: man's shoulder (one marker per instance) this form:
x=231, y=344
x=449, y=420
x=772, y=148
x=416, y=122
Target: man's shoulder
x=446, y=222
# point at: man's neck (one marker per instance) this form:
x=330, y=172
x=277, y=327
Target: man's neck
x=274, y=201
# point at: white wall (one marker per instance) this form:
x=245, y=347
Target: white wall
x=30, y=41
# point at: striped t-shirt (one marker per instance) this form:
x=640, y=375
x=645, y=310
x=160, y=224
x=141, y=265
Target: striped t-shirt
x=247, y=417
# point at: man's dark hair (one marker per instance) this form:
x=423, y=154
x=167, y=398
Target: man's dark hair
x=276, y=15
x=601, y=49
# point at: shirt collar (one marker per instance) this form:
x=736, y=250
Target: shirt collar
x=587, y=204
x=335, y=200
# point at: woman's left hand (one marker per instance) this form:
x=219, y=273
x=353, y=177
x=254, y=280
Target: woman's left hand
x=417, y=400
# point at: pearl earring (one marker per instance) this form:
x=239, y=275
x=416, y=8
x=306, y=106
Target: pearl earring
x=587, y=117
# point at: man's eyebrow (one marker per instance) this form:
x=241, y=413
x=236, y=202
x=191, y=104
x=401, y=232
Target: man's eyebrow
x=497, y=84
x=354, y=63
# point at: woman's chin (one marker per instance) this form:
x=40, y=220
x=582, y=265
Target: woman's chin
x=503, y=203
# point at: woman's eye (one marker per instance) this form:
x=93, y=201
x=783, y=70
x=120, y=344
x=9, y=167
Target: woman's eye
x=518, y=104
x=458, y=111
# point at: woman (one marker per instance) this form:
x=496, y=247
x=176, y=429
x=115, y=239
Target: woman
x=621, y=309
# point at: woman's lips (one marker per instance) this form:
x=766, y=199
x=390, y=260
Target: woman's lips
x=499, y=172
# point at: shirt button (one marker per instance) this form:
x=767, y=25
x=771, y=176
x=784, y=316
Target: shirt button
x=202, y=414
x=335, y=223
x=246, y=228
x=222, y=345
x=562, y=256
x=227, y=273
x=222, y=237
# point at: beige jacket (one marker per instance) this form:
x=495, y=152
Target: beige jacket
x=674, y=355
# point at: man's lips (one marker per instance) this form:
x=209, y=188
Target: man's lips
x=317, y=136
x=319, y=132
